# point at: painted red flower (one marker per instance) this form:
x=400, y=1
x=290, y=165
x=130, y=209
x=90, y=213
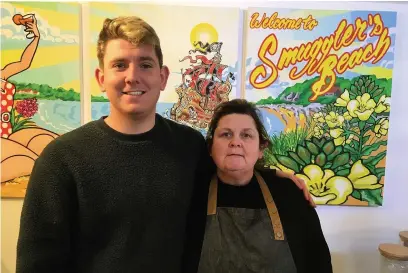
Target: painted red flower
x=27, y=107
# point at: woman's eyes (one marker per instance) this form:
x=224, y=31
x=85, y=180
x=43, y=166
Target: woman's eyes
x=243, y=135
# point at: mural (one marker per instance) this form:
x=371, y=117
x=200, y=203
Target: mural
x=40, y=87
x=323, y=82
x=202, y=56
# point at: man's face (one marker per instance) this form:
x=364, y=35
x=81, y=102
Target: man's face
x=132, y=78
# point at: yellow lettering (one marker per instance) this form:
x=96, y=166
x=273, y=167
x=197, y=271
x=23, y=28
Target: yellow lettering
x=273, y=22
x=338, y=33
x=269, y=45
x=254, y=22
x=348, y=34
x=326, y=71
x=342, y=64
x=368, y=50
x=361, y=26
x=379, y=26
x=383, y=44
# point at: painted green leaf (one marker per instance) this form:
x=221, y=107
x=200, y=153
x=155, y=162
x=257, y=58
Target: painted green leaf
x=320, y=159
x=350, y=149
x=353, y=91
x=336, y=151
x=304, y=154
x=367, y=150
x=373, y=197
x=288, y=162
x=355, y=143
x=361, y=125
x=318, y=142
x=371, y=168
x=365, y=139
x=380, y=172
x=367, y=82
x=360, y=82
x=378, y=92
x=327, y=165
x=313, y=148
x=370, y=88
x=296, y=158
x=363, y=89
x=328, y=148
x=340, y=160
x=371, y=120
x=374, y=159
x=343, y=172
x=356, y=194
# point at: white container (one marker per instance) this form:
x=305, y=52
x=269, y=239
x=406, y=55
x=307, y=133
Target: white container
x=394, y=258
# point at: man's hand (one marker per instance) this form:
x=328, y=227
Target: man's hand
x=300, y=183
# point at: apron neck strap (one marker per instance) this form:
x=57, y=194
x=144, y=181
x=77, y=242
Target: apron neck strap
x=270, y=204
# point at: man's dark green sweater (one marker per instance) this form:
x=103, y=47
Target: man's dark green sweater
x=101, y=201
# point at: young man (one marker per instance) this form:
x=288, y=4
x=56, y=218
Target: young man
x=125, y=193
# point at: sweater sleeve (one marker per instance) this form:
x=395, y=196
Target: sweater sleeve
x=196, y=219
x=44, y=242
x=318, y=245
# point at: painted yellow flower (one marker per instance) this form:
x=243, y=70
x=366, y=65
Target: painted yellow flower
x=344, y=99
x=361, y=178
x=362, y=107
x=347, y=116
x=318, y=131
x=383, y=105
x=334, y=120
x=337, y=135
x=350, y=138
x=381, y=128
x=325, y=187
x=318, y=117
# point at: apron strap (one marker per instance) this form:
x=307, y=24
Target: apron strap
x=272, y=210
x=212, y=196
x=270, y=204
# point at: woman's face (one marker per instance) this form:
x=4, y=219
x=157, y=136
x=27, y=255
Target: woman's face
x=236, y=143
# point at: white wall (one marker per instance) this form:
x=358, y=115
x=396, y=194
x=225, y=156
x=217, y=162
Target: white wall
x=353, y=233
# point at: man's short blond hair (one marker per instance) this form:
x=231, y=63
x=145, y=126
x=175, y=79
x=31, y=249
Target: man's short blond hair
x=130, y=28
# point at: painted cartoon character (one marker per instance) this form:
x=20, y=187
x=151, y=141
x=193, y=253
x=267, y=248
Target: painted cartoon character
x=202, y=87
x=8, y=89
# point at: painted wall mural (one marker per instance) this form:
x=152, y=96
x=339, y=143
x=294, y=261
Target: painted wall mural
x=202, y=56
x=40, y=72
x=323, y=79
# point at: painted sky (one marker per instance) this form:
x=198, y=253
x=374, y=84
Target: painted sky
x=328, y=21
x=57, y=60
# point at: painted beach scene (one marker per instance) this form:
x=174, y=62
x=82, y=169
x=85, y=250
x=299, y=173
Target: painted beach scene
x=325, y=78
x=40, y=84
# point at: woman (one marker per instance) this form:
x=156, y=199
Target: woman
x=256, y=222
x=20, y=148
x=8, y=89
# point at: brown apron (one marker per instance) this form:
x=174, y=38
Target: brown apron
x=241, y=240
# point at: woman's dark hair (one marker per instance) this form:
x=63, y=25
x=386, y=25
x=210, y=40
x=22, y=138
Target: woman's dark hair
x=238, y=106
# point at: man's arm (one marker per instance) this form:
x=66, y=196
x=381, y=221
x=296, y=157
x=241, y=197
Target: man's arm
x=44, y=242
x=197, y=216
x=317, y=243
x=299, y=183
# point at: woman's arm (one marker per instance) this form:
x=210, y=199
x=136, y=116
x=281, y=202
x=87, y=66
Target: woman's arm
x=27, y=56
